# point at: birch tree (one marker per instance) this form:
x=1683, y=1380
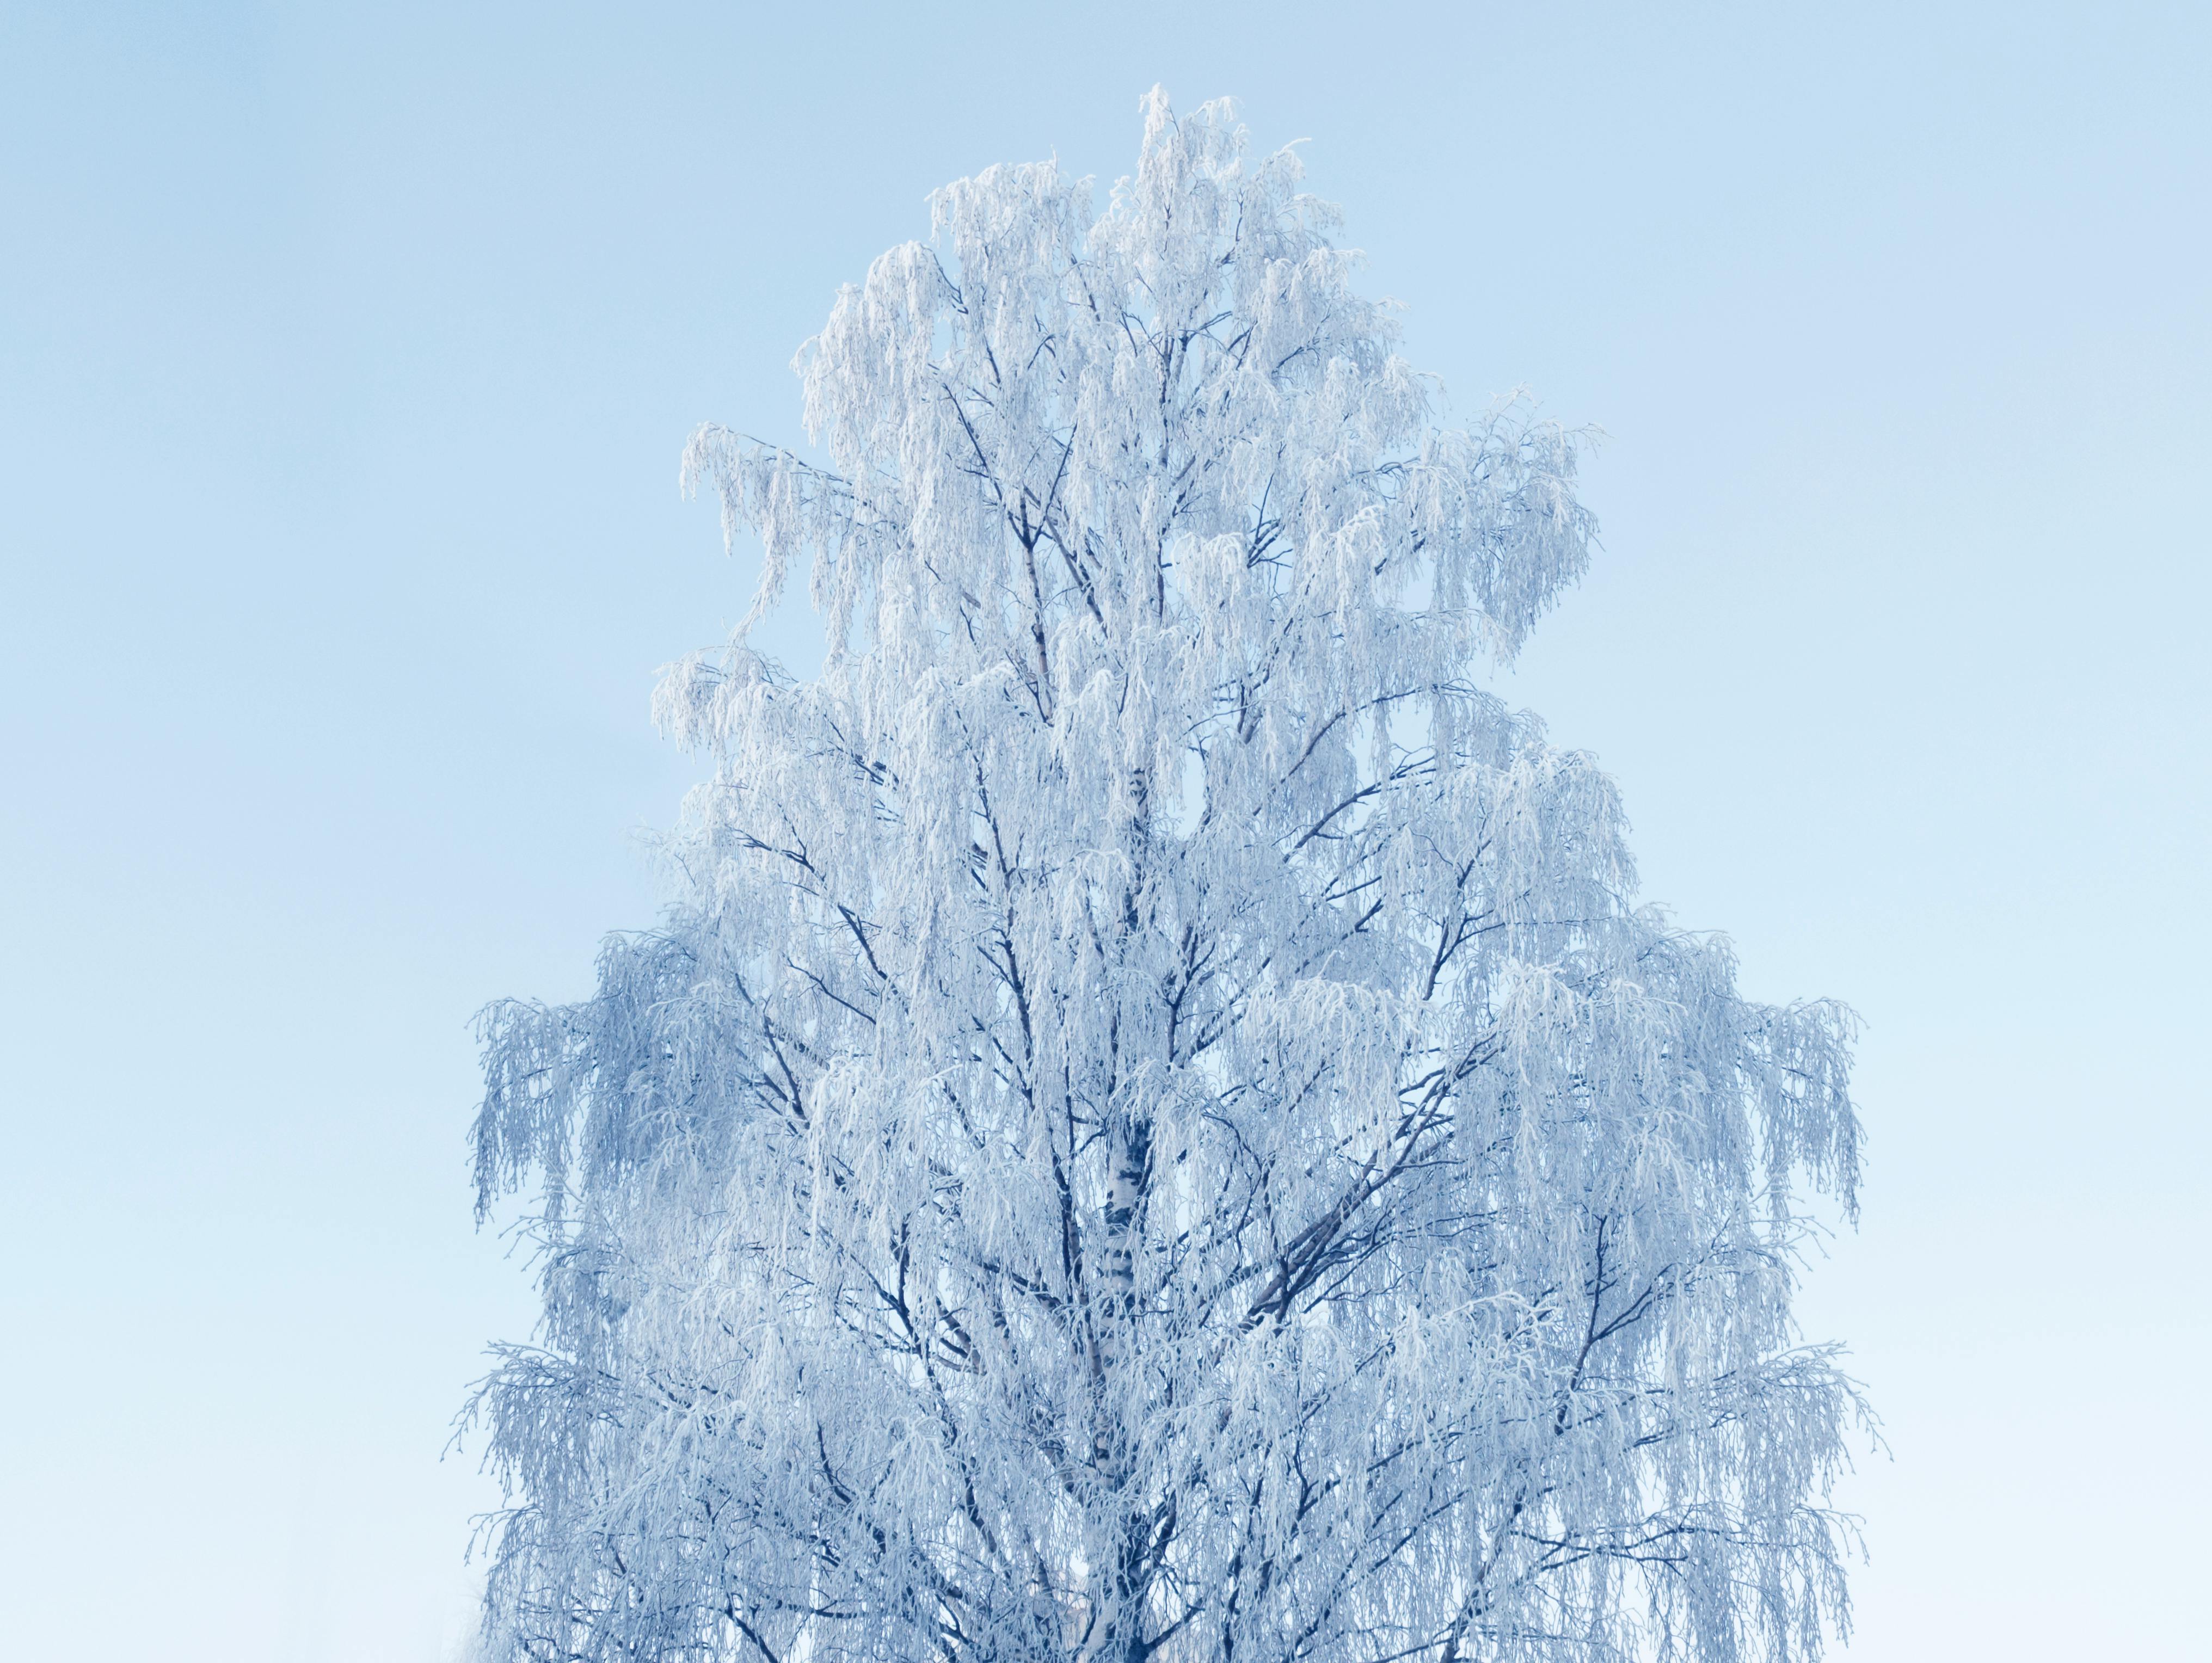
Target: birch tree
x=1154, y=1126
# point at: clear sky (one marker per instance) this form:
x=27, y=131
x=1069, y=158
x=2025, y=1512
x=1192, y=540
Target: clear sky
x=345, y=359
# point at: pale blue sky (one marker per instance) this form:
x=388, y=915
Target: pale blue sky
x=344, y=363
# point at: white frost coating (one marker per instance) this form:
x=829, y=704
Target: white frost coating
x=1154, y=1128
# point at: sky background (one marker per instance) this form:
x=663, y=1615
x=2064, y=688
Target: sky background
x=346, y=355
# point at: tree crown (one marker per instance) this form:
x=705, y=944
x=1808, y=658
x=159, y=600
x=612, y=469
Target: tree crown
x=1154, y=1126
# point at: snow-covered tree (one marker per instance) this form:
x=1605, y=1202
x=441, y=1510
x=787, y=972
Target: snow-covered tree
x=1154, y=1126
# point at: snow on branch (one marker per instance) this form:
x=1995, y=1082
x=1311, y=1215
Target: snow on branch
x=1154, y=1126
